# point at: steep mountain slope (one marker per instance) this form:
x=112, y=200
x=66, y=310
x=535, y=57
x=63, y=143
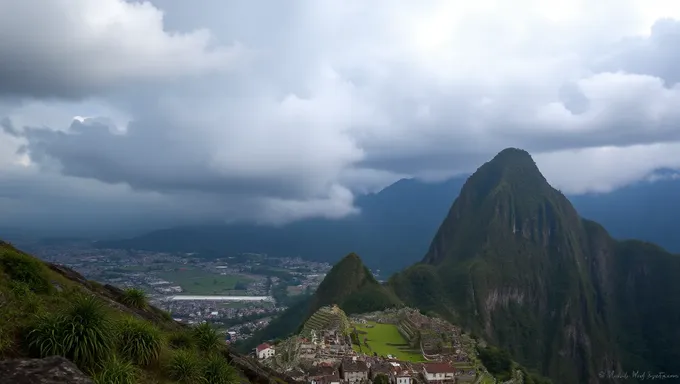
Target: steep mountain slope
x=349, y=285
x=514, y=262
x=47, y=309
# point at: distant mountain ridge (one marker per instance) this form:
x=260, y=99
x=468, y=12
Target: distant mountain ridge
x=396, y=225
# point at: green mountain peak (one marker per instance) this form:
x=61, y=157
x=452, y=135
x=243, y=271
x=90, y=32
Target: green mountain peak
x=514, y=262
x=351, y=286
x=506, y=199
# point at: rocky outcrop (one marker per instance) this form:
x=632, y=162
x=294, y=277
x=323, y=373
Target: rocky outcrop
x=50, y=370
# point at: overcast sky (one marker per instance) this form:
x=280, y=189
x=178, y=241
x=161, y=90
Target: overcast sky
x=130, y=114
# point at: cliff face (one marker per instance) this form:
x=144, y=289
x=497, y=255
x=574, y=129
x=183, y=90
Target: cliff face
x=514, y=261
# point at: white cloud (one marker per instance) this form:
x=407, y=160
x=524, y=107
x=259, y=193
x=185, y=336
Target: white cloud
x=335, y=97
x=67, y=48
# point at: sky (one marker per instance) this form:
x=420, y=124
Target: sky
x=133, y=114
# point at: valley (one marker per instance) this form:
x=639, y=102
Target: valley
x=515, y=287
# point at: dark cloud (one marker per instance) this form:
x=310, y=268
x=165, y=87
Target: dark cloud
x=656, y=55
x=270, y=112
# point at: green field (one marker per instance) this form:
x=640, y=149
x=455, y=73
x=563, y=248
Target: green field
x=385, y=339
x=200, y=282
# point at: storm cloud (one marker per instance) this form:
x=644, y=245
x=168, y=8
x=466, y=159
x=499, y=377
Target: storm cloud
x=229, y=110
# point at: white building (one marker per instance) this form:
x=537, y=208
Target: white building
x=264, y=351
x=439, y=372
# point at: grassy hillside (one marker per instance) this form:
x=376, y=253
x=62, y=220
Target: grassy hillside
x=112, y=335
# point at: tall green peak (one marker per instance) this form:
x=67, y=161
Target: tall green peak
x=515, y=263
x=506, y=198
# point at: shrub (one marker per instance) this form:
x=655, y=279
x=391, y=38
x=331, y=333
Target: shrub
x=181, y=340
x=46, y=337
x=139, y=341
x=497, y=361
x=87, y=332
x=116, y=371
x=25, y=269
x=6, y=339
x=381, y=378
x=166, y=315
x=206, y=338
x=25, y=298
x=218, y=371
x=134, y=297
x=184, y=367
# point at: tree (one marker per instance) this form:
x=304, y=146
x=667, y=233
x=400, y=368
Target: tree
x=381, y=379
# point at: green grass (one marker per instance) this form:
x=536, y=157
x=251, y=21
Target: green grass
x=487, y=379
x=134, y=297
x=294, y=290
x=385, y=339
x=116, y=371
x=139, y=341
x=199, y=282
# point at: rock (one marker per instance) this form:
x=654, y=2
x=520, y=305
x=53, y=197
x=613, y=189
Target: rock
x=50, y=370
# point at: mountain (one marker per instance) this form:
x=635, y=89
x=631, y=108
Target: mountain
x=49, y=310
x=396, y=224
x=349, y=284
x=514, y=262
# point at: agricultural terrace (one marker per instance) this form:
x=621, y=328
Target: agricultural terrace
x=384, y=339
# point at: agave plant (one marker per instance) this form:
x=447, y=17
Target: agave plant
x=46, y=338
x=87, y=332
x=206, y=338
x=134, y=297
x=139, y=341
x=184, y=367
x=218, y=371
x=116, y=371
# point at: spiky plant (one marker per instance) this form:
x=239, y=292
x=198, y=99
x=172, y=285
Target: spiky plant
x=88, y=333
x=116, y=371
x=184, y=367
x=139, y=341
x=218, y=371
x=206, y=338
x=46, y=336
x=134, y=297
x=181, y=340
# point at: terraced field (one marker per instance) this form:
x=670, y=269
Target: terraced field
x=326, y=318
x=385, y=339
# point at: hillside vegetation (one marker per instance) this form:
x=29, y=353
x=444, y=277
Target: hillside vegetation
x=113, y=336
x=514, y=262
x=349, y=285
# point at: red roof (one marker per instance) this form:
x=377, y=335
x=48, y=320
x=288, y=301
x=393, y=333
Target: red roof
x=438, y=368
x=262, y=347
